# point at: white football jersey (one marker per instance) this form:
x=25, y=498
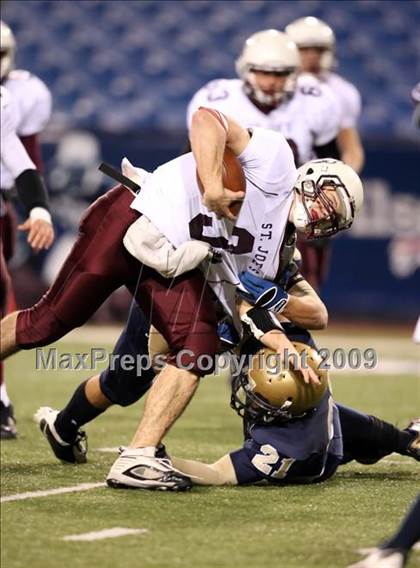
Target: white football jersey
x=310, y=118
x=33, y=104
x=348, y=98
x=172, y=200
x=14, y=157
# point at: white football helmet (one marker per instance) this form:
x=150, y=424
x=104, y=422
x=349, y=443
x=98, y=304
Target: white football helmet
x=7, y=50
x=271, y=51
x=313, y=179
x=313, y=32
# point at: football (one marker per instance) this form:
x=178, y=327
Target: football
x=233, y=177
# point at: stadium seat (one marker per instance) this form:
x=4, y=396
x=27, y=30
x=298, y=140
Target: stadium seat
x=137, y=66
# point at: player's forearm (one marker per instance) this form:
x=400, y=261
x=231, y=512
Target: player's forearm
x=351, y=148
x=307, y=311
x=208, y=139
x=218, y=473
x=33, y=194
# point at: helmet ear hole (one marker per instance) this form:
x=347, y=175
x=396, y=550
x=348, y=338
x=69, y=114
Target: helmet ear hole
x=310, y=171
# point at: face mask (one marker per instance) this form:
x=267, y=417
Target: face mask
x=300, y=217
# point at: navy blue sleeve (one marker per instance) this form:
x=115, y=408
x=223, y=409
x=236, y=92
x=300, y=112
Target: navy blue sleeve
x=245, y=471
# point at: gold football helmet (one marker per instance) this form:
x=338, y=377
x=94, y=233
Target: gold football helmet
x=267, y=391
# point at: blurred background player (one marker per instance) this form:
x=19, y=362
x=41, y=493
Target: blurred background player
x=316, y=42
x=271, y=93
x=28, y=106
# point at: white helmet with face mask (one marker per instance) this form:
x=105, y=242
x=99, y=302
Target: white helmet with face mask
x=269, y=51
x=313, y=32
x=316, y=179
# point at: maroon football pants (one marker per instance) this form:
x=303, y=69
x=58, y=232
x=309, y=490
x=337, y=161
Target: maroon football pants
x=181, y=308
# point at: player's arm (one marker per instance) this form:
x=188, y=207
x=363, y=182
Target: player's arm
x=220, y=472
x=305, y=307
x=297, y=301
x=351, y=149
x=31, y=191
x=210, y=133
x=265, y=327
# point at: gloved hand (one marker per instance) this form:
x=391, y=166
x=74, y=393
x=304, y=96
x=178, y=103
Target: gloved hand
x=263, y=293
x=227, y=333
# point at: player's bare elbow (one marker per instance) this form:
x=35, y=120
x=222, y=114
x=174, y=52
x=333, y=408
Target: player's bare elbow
x=198, y=121
x=205, y=116
x=198, y=117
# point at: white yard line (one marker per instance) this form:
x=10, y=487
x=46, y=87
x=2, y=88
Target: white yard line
x=107, y=450
x=48, y=492
x=115, y=532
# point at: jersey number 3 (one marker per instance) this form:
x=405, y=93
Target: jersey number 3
x=244, y=239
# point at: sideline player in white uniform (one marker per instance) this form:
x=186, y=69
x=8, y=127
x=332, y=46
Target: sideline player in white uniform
x=316, y=42
x=32, y=101
x=271, y=94
x=32, y=110
x=22, y=171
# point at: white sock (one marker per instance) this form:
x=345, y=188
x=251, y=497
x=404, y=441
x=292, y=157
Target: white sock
x=3, y=395
x=148, y=451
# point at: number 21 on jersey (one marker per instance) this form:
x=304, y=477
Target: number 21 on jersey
x=268, y=459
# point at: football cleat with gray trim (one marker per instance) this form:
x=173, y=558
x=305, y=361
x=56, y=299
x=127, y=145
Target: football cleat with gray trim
x=139, y=468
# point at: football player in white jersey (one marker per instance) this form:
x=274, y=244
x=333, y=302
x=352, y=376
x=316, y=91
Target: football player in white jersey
x=316, y=42
x=270, y=93
x=321, y=201
x=32, y=110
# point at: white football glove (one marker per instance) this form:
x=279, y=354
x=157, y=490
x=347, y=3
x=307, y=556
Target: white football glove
x=138, y=175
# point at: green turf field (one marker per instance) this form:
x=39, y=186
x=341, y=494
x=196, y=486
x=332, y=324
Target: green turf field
x=292, y=527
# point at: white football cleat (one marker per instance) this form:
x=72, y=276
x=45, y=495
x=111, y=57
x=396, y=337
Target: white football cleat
x=139, y=468
x=382, y=558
